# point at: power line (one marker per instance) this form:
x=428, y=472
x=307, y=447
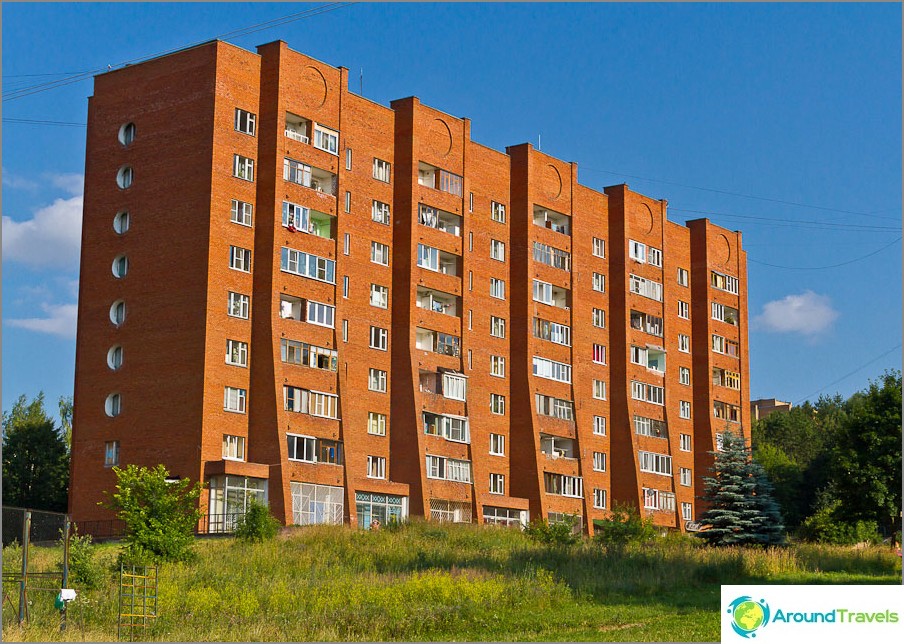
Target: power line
x=819, y=268
x=863, y=366
x=80, y=76
x=793, y=223
x=39, y=122
x=740, y=194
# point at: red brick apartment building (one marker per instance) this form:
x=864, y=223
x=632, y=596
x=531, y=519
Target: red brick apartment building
x=354, y=312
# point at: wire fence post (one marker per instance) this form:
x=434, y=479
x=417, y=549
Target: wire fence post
x=23, y=582
x=65, y=582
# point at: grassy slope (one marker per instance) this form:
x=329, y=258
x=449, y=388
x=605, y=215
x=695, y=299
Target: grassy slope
x=429, y=582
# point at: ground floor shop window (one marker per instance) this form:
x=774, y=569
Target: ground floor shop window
x=380, y=508
x=229, y=500
x=312, y=504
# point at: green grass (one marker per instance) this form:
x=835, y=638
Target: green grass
x=428, y=582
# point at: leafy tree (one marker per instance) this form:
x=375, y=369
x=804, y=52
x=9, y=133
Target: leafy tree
x=160, y=516
x=558, y=534
x=257, y=524
x=624, y=526
x=740, y=508
x=35, y=458
x=865, y=457
x=65, y=404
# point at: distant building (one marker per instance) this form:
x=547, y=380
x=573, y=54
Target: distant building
x=761, y=408
x=354, y=312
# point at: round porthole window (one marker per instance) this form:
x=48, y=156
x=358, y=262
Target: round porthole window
x=121, y=222
x=114, y=357
x=113, y=405
x=127, y=134
x=120, y=266
x=118, y=312
x=124, y=177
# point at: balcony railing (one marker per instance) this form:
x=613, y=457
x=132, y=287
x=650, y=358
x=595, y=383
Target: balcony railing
x=298, y=136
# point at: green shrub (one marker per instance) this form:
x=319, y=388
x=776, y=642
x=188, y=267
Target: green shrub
x=84, y=570
x=824, y=526
x=556, y=534
x=624, y=526
x=258, y=524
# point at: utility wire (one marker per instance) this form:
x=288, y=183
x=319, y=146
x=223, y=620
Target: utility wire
x=794, y=223
x=43, y=87
x=863, y=366
x=39, y=122
x=819, y=268
x=739, y=194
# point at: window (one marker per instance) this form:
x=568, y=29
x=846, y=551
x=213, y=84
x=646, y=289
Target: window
x=234, y=399
x=345, y=330
x=599, y=389
x=645, y=287
x=684, y=310
x=658, y=500
x=684, y=343
x=599, y=318
x=497, y=288
x=497, y=211
x=233, y=448
x=687, y=512
x=244, y=121
x=684, y=409
x=111, y=453
x=345, y=281
x=725, y=313
x=290, y=308
x=653, y=358
x=551, y=369
x=599, y=425
x=599, y=461
x=497, y=327
x=348, y=202
x=731, y=413
x=242, y=167
x=297, y=172
x=428, y=257
x=599, y=282
x=380, y=212
x=644, y=426
x=321, y=314
x=237, y=353
x=296, y=399
x=124, y=177
x=348, y=158
x=647, y=323
x=599, y=247
x=563, y=485
x=114, y=357
x=381, y=170
x=376, y=423
x=648, y=393
x=599, y=354
x=684, y=442
x=121, y=223
x=307, y=355
x=720, y=442
x=497, y=484
x=543, y=292
x=470, y=202
x=379, y=296
x=685, y=474
x=497, y=250
x=302, y=448
x=497, y=366
x=497, y=404
x=471, y=241
x=326, y=139
x=240, y=259
x=684, y=375
x=497, y=444
x=655, y=463
x=455, y=386
x=449, y=182
x=449, y=469
x=296, y=217
x=346, y=244
x=118, y=312
x=379, y=253
x=724, y=282
x=325, y=504
x=376, y=467
x=307, y=265
x=654, y=257
x=120, y=266
x=376, y=380
x=555, y=407
x=127, y=134
x=732, y=380
x=470, y=280
x=552, y=331
x=113, y=405
x=682, y=277
x=637, y=251
x=551, y=256
x=238, y=305
x=240, y=212
x=379, y=338
x=599, y=498
x=725, y=346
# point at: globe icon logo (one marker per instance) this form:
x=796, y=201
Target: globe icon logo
x=748, y=615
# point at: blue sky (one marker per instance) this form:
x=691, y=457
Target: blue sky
x=780, y=120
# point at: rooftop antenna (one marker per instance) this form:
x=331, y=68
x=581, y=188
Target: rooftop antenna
x=538, y=143
x=362, y=81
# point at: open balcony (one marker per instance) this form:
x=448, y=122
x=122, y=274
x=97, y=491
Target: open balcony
x=432, y=177
x=437, y=301
x=442, y=343
x=449, y=384
x=556, y=447
x=550, y=294
x=434, y=259
x=552, y=220
x=439, y=219
x=298, y=128
x=309, y=176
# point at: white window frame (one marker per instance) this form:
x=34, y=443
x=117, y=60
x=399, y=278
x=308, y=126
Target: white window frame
x=379, y=253
x=497, y=327
x=599, y=353
x=233, y=447
x=382, y=170
x=497, y=404
x=376, y=423
x=687, y=511
x=381, y=213
x=599, y=498
x=684, y=376
x=684, y=310
x=685, y=475
x=599, y=389
x=497, y=288
x=543, y=293
x=238, y=301
x=376, y=380
x=237, y=353
x=683, y=277
x=655, y=463
x=497, y=250
x=497, y=483
x=646, y=288
x=684, y=409
x=326, y=139
x=599, y=248
x=551, y=370
x=245, y=121
x=684, y=442
x=647, y=392
x=240, y=259
x=428, y=257
x=599, y=425
x=599, y=318
x=637, y=251
x=321, y=314
x=307, y=265
x=684, y=343
x=243, y=167
x=111, y=453
x=379, y=338
x=497, y=366
x=379, y=296
x=599, y=282
x=497, y=210
x=308, y=448
x=376, y=467
x=497, y=444
x=241, y=213
x=235, y=399
x=599, y=461
x=654, y=257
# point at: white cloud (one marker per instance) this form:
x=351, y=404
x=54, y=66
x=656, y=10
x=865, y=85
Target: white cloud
x=16, y=182
x=807, y=313
x=60, y=320
x=51, y=239
x=72, y=182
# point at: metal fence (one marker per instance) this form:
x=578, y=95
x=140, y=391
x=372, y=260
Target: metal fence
x=116, y=528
